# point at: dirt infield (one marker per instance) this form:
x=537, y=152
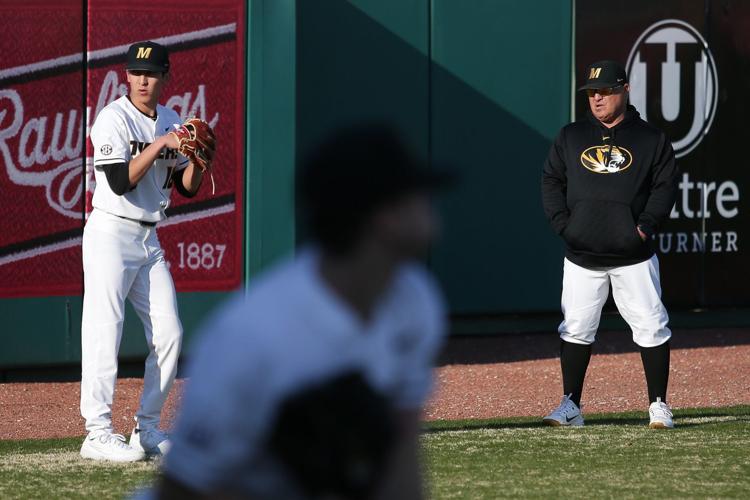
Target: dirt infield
x=478, y=377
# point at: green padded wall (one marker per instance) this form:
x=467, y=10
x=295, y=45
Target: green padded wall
x=500, y=93
x=362, y=60
x=482, y=86
x=270, y=116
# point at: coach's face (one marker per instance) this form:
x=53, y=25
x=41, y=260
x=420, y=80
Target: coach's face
x=608, y=104
x=408, y=225
x=146, y=86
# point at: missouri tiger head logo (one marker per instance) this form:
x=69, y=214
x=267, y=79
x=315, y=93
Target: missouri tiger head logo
x=601, y=160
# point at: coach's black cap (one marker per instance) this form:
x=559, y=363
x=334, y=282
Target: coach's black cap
x=605, y=74
x=352, y=173
x=148, y=56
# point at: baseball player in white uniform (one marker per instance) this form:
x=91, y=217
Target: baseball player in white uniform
x=354, y=300
x=136, y=164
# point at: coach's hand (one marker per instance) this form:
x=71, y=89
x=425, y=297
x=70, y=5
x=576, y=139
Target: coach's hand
x=641, y=233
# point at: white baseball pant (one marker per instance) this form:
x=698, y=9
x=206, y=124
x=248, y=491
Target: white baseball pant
x=122, y=258
x=637, y=293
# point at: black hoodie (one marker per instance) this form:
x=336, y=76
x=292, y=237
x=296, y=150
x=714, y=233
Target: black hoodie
x=599, y=184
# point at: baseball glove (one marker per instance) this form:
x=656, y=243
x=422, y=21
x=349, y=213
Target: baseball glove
x=197, y=142
x=334, y=437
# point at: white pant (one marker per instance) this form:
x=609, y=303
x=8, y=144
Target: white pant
x=123, y=259
x=637, y=294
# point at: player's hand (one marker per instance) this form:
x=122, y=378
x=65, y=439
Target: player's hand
x=196, y=141
x=171, y=141
x=641, y=233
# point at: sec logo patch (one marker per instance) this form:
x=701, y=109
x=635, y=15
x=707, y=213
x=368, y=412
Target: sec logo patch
x=605, y=160
x=106, y=149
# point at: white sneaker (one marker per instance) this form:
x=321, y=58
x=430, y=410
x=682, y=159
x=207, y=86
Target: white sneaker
x=103, y=445
x=150, y=441
x=660, y=415
x=567, y=414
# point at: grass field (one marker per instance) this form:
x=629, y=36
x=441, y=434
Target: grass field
x=615, y=455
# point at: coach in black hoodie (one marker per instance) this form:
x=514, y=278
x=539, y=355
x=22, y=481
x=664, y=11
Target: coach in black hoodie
x=609, y=181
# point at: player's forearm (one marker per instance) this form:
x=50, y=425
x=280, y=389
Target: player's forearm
x=663, y=190
x=403, y=474
x=657, y=208
x=192, y=177
x=554, y=185
x=404, y=479
x=139, y=165
x=554, y=203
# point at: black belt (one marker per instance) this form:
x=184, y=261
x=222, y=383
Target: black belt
x=141, y=222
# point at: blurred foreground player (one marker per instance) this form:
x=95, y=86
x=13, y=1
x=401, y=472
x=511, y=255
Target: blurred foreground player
x=311, y=385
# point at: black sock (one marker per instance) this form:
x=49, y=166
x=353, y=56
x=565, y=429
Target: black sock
x=656, y=366
x=574, y=360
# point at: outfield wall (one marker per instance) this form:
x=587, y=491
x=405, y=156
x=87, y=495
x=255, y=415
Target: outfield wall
x=458, y=82
x=482, y=86
x=231, y=69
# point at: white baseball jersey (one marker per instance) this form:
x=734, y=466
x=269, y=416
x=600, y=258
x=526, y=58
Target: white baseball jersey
x=120, y=133
x=292, y=330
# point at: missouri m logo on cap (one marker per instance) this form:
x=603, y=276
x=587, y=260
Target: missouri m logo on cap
x=143, y=53
x=594, y=73
x=148, y=56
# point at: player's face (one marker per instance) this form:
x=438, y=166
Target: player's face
x=608, y=104
x=145, y=86
x=408, y=225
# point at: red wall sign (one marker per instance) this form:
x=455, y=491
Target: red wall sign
x=43, y=188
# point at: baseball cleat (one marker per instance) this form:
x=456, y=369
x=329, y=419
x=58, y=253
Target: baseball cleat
x=103, y=445
x=150, y=441
x=660, y=415
x=567, y=414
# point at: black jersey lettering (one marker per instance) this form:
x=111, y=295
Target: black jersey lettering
x=169, y=180
x=137, y=147
x=168, y=154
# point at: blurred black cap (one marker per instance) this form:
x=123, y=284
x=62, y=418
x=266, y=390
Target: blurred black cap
x=604, y=74
x=364, y=166
x=352, y=173
x=148, y=56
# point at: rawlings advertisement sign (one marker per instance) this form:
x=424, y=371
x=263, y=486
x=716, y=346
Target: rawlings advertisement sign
x=687, y=65
x=46, y=177
x=42, y=141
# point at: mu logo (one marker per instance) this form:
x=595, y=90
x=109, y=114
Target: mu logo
x=602, y=160
x=674, y=83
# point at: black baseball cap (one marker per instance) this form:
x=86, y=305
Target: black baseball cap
x=354, y=172
x=148, y=56
x=605, y=74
